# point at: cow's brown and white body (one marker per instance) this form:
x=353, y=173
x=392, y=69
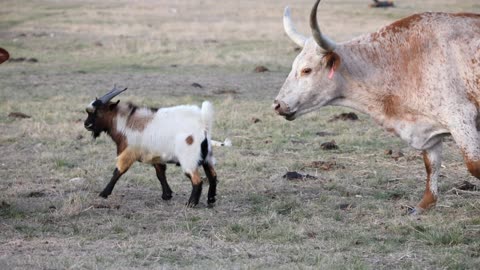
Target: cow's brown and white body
x=418, y=77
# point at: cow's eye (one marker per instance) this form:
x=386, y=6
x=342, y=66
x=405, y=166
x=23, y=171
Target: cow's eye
x=306, y=71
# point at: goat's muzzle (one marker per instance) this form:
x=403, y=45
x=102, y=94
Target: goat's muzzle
x=281, y=108
x=88, y=126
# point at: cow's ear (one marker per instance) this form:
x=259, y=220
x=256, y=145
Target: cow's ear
x=332, y=60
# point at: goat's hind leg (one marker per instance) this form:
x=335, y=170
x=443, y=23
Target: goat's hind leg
x=166, y=191
x=212, y=180
x=196, y=188
x=124, y=161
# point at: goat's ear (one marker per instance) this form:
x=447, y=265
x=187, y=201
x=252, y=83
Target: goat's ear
x=113, y=105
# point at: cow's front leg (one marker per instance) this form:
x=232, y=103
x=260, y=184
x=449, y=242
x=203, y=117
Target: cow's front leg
x=433, y=159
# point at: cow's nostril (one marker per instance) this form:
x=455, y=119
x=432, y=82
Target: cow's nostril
x=276, y=106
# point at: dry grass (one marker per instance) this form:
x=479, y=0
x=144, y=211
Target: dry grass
x=350, y=217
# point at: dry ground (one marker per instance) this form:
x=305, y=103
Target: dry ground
x=350, y=217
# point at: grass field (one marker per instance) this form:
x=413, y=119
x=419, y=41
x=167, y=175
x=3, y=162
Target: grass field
x=351, y=215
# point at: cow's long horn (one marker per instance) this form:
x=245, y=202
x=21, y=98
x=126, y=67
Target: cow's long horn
x=323, y=41
x=290, y=29
x=113, y=93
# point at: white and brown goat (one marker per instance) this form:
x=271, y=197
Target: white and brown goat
x=179, y=135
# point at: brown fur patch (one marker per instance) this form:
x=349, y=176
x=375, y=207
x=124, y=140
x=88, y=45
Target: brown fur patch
x=467, y=15
x=473, y=167
x=429, y=199
x=195, y=178
x=471, y=97
x=403, y=24
x=189, y=140
x=391, y=105
x=212, y=171
x=4, y=55
x=139, y=123
x=126, y=159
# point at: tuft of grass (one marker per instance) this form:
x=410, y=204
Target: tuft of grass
x=441, y=235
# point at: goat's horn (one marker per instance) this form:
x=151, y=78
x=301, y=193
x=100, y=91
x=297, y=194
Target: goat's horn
x=323, y=41
x=290, y=29
x=113, y=93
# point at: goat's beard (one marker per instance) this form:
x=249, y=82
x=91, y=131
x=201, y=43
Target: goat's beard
x=96, y=134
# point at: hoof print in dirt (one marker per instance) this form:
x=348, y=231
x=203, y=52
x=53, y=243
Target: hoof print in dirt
x=298, y=176
x=468, y=186
x=255, y=120
x=4, y=205
x=325, y=133
x=345, y=206
x=260, y=69
x=105, y=206
x=344, y=117
x=225, y=92
x=18, y=115
x=329, y=145
x=36, y=194
x=23, y=59
x=395, y=154
x=196, y=85
x=325, y=165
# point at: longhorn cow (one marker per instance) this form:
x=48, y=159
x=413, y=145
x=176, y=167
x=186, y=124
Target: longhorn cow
x=418, y=77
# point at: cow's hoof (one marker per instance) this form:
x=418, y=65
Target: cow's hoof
x=415, y=211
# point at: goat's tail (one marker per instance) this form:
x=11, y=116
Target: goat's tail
x=207, y=115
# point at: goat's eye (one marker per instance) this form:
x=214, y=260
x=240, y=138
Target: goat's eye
x=306, y=71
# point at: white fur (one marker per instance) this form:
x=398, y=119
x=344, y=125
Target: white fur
x=164, y=137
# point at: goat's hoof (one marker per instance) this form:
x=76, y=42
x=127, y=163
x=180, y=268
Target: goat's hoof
x=191, y=204
x=103, y=194
x=166, y=197
x=211, y=201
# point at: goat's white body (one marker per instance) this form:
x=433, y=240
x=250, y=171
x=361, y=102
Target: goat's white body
x=164, y=138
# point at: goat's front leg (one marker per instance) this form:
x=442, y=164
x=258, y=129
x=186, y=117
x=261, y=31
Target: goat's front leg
x=196, y=188
x=124, y=161
x=166, y=191
x=433, y=159
x=212, y=179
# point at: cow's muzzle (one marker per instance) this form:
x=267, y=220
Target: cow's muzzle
x=281, y=108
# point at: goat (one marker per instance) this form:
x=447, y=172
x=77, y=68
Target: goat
x=179, y=135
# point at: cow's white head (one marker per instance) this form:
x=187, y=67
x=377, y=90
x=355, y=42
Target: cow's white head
x=313, y=81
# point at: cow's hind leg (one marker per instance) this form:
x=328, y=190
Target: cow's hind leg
x=166, y=191
x=468, y=139
x=433, y=159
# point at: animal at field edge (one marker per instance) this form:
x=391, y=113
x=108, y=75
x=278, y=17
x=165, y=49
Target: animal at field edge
x=418, y=77
x=179, y=135
x=4, y=55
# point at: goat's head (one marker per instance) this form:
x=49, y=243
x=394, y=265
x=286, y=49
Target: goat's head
x=101, y=113
x=312, y=82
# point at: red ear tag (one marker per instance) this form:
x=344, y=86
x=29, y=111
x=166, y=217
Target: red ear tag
x=332, y=72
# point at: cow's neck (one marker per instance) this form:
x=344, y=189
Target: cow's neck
x=366, y=84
